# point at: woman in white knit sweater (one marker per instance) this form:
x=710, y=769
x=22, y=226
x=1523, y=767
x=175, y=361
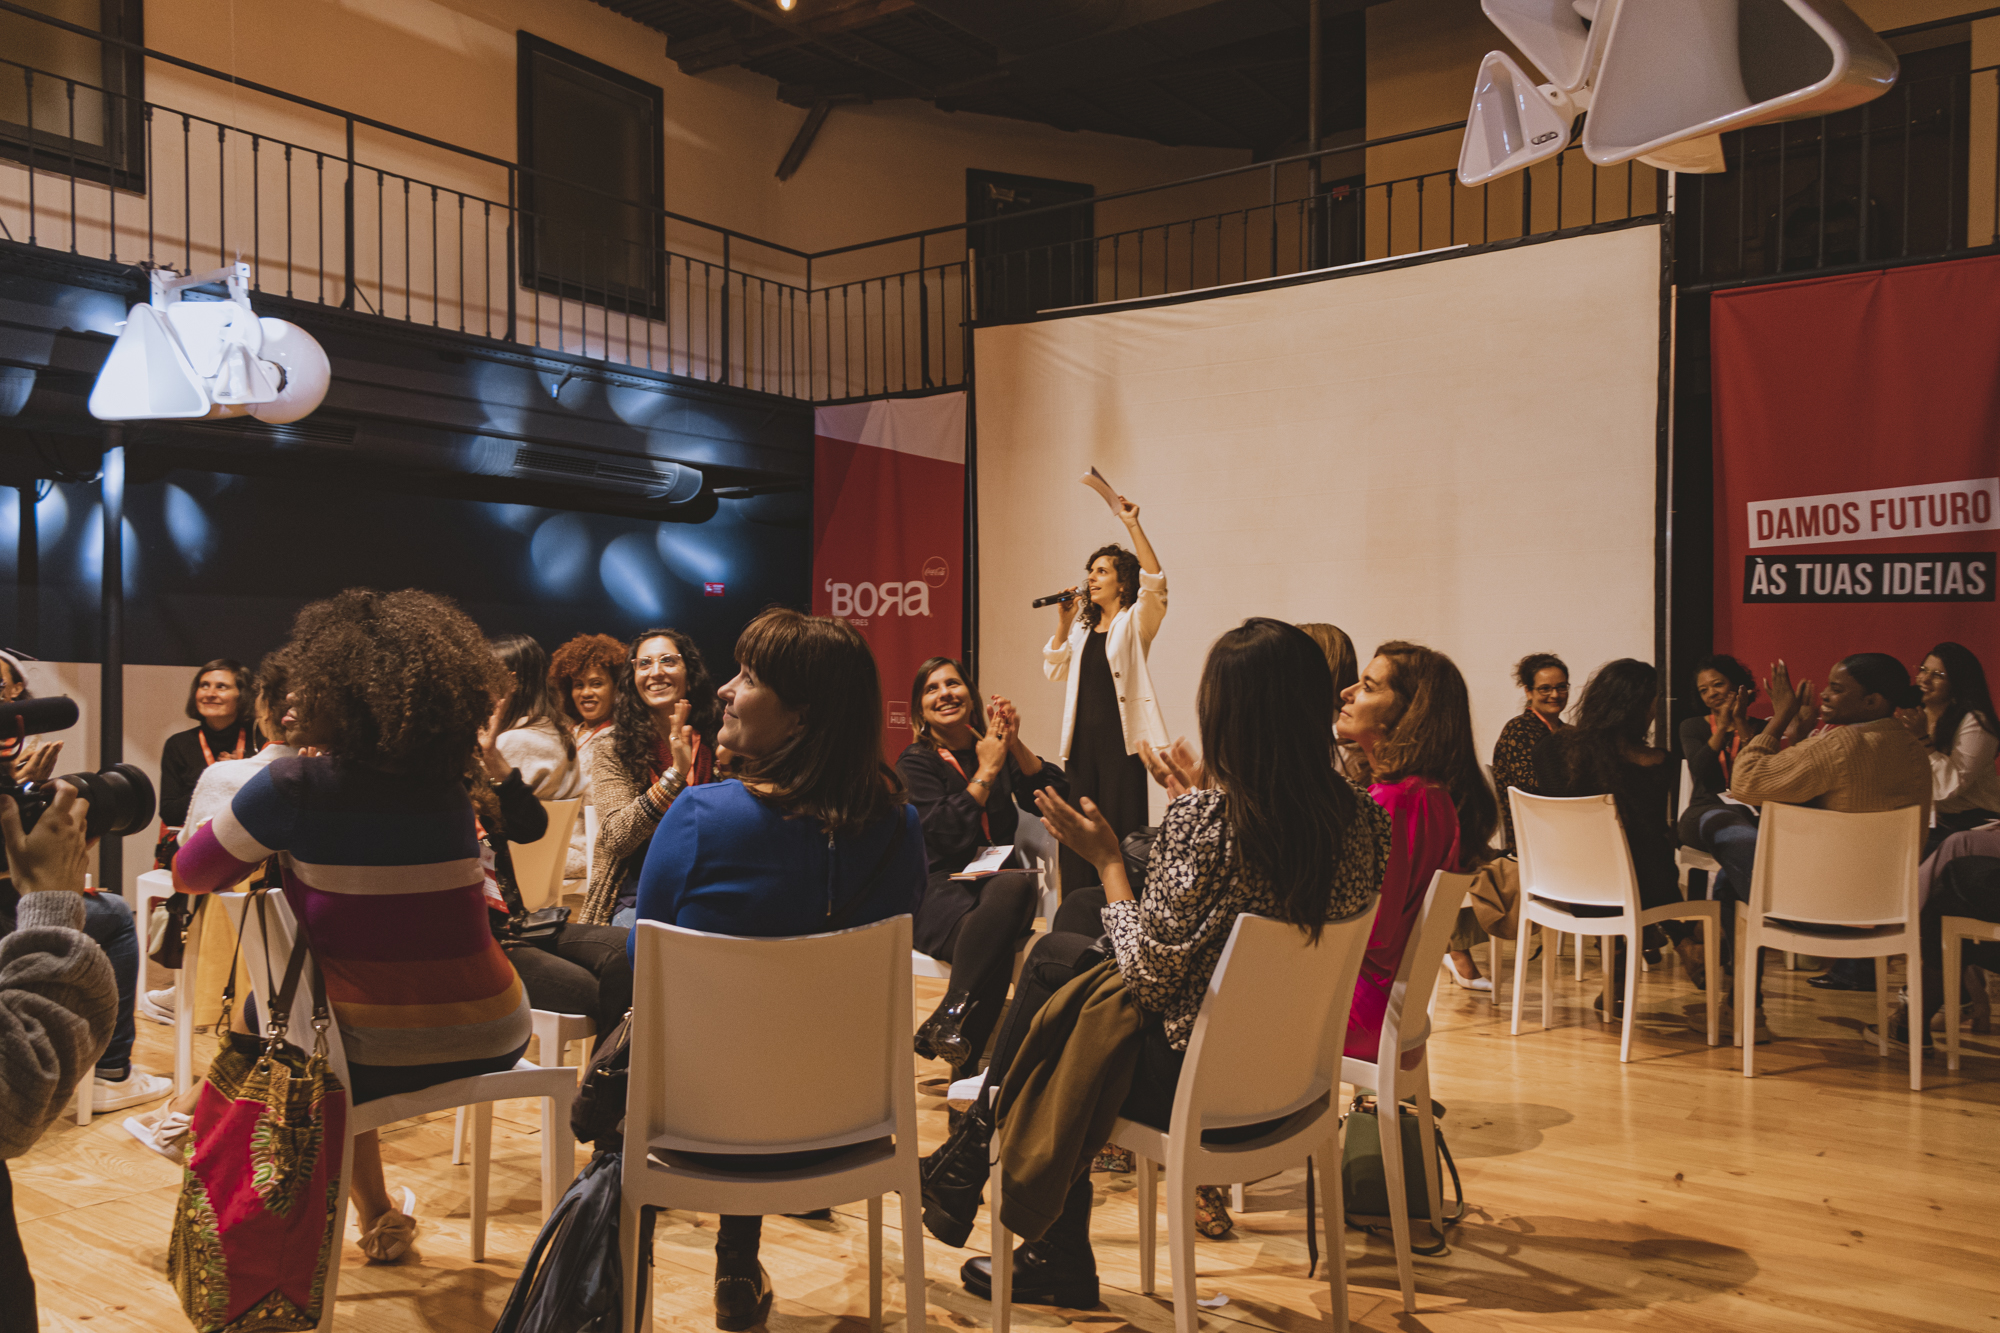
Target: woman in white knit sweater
x=583, y=682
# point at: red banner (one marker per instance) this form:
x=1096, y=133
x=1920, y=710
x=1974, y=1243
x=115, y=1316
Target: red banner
x=1857, y=466
x=889, y=535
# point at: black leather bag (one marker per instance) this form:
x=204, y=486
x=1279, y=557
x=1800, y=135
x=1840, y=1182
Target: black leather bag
x=536, y=930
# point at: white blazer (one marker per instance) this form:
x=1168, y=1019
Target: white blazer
x=1127, y=641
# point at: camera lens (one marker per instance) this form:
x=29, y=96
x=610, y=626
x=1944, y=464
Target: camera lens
x=121, y=800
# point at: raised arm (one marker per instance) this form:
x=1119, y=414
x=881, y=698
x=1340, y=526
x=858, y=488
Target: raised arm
x=1128, y=514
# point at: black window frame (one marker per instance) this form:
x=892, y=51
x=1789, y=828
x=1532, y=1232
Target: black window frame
x=120, y=161
x=649, y=301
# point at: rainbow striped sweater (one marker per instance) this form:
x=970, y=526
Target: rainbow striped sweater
x=384, y=872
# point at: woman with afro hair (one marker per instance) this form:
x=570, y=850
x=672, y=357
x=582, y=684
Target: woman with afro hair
x=380, y=858
x=583, y=681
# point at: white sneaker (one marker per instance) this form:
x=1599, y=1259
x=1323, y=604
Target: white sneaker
x=136, y=1087
x=157, y=1005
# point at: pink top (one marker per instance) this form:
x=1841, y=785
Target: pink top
x=1423, y=840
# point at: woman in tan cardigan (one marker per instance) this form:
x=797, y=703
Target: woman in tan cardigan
x=662, y=743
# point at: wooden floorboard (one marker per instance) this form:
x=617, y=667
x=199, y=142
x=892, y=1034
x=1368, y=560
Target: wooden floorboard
x=1669, y=1194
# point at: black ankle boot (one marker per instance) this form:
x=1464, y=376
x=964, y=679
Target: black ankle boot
x=742, y=1293
x=1059, y=1269
x=939, y=1038
x=954, y=1177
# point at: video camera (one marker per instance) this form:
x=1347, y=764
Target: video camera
x=121, y=797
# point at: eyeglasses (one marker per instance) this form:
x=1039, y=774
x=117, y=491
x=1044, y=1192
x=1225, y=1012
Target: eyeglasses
x=667, y=660
x=1550, y=691
x=1933, y=672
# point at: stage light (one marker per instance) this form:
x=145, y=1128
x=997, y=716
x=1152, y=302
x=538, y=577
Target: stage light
x=786, y=5
x=633, y=576
x=1512, y=124
x=177, y=359
x=560, y=554
x=1660, y=79
x=188, y=525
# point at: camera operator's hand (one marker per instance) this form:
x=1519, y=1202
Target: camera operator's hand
x=37, y=762
x=52, y=856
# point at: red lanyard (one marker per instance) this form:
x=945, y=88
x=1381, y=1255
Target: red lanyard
x=985, y=826
x=1552, y=726
x=1727, y=757
x=208, y=755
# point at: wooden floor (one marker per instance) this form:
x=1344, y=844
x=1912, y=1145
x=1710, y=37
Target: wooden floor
x=1667, y=1194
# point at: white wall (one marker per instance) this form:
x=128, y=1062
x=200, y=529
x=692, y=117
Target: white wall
x=155, y=708
x=1459, y=453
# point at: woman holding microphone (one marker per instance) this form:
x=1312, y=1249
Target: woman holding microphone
x=1106, y=629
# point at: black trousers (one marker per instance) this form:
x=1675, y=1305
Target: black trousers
x=987, y=920
x=586, y=972
x=17, y=1285
x=1967, y=886
x=1100, y=769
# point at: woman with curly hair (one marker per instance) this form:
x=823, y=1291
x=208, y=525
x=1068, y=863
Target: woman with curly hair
x=583, y=676
x=1106, y=628
x=1544, y=682
x=1411, y=719
x=662, y=742
x=380, y=858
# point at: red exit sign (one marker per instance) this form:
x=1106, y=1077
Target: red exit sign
x=711, y=590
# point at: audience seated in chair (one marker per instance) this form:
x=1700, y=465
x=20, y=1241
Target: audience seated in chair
x=583, y=676
x=1710, y=744
x=570, y=968
x=1411, y=718
x=1262, y=825
x=1956, y=725
x=1865, y=760
x=380, y=858
x=1961, y=878
x=1544, y=682
x=1605, y=750
x=967, y=772
x=662, y=743
x=817, y=835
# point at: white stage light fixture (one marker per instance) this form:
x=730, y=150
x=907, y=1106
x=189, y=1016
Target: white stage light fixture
x=1682, y=69
x=1690, y=157
x=1512, y=124
x=1564, y=38
x=177, y=359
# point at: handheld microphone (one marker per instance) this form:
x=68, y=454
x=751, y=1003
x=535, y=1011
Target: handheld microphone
x=1053, y=598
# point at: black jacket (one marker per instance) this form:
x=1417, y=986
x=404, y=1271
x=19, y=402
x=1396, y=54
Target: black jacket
x=951, y=818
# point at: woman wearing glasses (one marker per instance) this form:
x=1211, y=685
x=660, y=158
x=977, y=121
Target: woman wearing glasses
x=1956, y=725
x=662, y=742
x=1545, y=681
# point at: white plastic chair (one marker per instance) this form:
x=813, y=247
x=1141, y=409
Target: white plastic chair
x=538, y=874
x=1406, y=1027
x=1573, y=854
x=1957, y=930
x=1826, y=868
x=830, y=1015
x=1266, y=1046
x=555, y=1087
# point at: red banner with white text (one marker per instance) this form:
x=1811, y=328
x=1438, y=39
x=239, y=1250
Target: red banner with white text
x=1857, y=466
x=889, y=535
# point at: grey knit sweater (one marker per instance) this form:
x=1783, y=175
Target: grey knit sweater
x=58, y=1001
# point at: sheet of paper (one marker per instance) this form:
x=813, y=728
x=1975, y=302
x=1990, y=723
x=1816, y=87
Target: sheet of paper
x=987, y=862
x=1095, y=480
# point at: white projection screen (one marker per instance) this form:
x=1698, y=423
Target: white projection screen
x=1459, y=453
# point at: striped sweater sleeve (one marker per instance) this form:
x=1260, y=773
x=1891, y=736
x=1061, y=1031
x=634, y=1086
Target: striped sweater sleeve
x=258, y=823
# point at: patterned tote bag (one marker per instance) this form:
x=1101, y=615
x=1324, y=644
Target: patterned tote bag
x=254, y=1228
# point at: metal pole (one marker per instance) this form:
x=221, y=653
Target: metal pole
x=347, y=212
x=1315, y=40
x=725, y=308
x=28, y=577
x=111, y=678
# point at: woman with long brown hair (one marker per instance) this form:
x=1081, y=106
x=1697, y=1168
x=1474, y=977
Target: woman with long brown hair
x=1263, y=824
x=816, y=835
x=1410, y=718
x=662, y=742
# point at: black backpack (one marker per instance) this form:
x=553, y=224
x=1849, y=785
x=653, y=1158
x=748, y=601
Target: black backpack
x=570, y=1283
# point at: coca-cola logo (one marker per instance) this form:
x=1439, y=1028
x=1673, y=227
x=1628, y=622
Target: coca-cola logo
x=936, y=571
